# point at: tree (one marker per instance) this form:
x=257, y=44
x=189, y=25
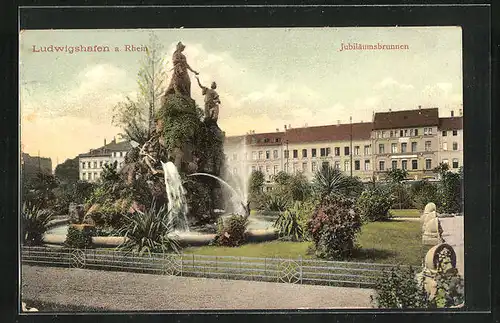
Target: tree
x=329, y=181
x=68, y=172
x=256, y=182
x=397, y=175
x=441, y=169
x=137, y=117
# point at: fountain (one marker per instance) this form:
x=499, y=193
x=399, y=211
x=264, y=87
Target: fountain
x=176, y=194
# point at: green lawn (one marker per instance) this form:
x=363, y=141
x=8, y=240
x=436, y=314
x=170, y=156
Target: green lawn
x=395, y=242
x=406, y=213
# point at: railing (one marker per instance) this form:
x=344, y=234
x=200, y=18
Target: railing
x=300, y=271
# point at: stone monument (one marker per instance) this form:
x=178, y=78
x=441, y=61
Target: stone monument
x=431, y=226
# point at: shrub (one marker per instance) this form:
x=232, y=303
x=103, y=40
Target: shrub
x=401, y=196
x=333, y=228
x=399, y=288
x=289, y=225
x=148, y=232
x=424, y=192
x=79, y=238
x=329, y=181
x=450, y=290
x=275, y=201
x=231, y=232
x=450, y=192
x=34, y=222
x=374, y=204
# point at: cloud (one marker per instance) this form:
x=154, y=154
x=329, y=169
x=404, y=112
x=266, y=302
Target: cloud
x=390, y=83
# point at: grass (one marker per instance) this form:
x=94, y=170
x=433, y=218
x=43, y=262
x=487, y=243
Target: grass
x=394, y=242
x=406, y=213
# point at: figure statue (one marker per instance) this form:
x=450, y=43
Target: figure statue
x=212, y=101
x=180, y=82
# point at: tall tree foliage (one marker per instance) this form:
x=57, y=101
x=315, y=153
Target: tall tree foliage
x=136, y=117
x=68, y=172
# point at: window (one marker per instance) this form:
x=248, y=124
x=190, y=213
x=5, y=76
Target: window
x=328, y=151
x=275, y=170
x=83, y=166
x=404, y=164
x=445, y=133
x=391, y=134
x=455, y=146
x=413, y=147
x=401, y=133
x=383, y=134
x=427, y=146
x=416, y=132
x=287, y=153
x=336, y=165
x=403, y=147
x=325, y=164
x=295, y=167
x=411, y=132
x=337, y=151
x=261, y=155
x=100, y=164
x=455, y=163
x=346, y=151
x=425, y=132
x=121, y=153
x=430, y=131
x=314, y=166
x=394, y=164
x=88, y=164
x=266, y=140
x=367, y=150
x=95, y=175
x=455, y=132
x=295, y=153
x=356, y=165
x=356, y=151
x=253, y=168
x=277, y=140
x=95, y=164
x=275, y=154
x=394, y=148
x=268, y=154
x=445, y=146
x=304, y=153
x=304, y=166
x=322, y=152
x=406, y=132
x=414, y=164
x=381, y=165
x=367, y=164
x=254, y=155
x=381, y=148
x=268, y=169
x=313, y=152
x=428, y=164
x=347, y=167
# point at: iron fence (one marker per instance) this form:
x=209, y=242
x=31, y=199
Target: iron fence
x=300, y=271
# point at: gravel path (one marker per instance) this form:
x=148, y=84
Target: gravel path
x=453, y=234
x=121, y=291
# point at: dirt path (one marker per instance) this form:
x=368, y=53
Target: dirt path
x=121, y=291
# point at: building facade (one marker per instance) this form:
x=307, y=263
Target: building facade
x=451, y=142
x=415, y=140
x=91, y=164
x=406, y=140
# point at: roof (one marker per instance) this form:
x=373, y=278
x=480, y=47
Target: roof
x=453, y=123
x=265, y=139
x=406, y=119
x=341, y=132
x=106, y=150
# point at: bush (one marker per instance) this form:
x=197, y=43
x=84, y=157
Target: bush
x=80, y=239
x=401, y=196
x=275, y=202
x=289, y=225
x=231, y=232
x=34, y=222
x=450, y=291
x=148, y=232
x=333, y=228
x=374, y=204
x=424, y=192
x=450, y=193
x=399, y=288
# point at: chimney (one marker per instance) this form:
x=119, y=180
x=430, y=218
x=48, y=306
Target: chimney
x=104, y=141
x=452, y=113
x=338, y=122
x=289, y=126
x=420, y=107
x=390, y=110
x=277, y=130
x=285, y=127
x=460, y=112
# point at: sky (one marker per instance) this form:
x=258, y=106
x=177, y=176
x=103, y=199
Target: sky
x=266, y=78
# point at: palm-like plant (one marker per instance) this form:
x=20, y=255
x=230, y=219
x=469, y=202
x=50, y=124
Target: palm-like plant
x=34, y=223
x=288, y=223
x=329, y=181
x=148, y=232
